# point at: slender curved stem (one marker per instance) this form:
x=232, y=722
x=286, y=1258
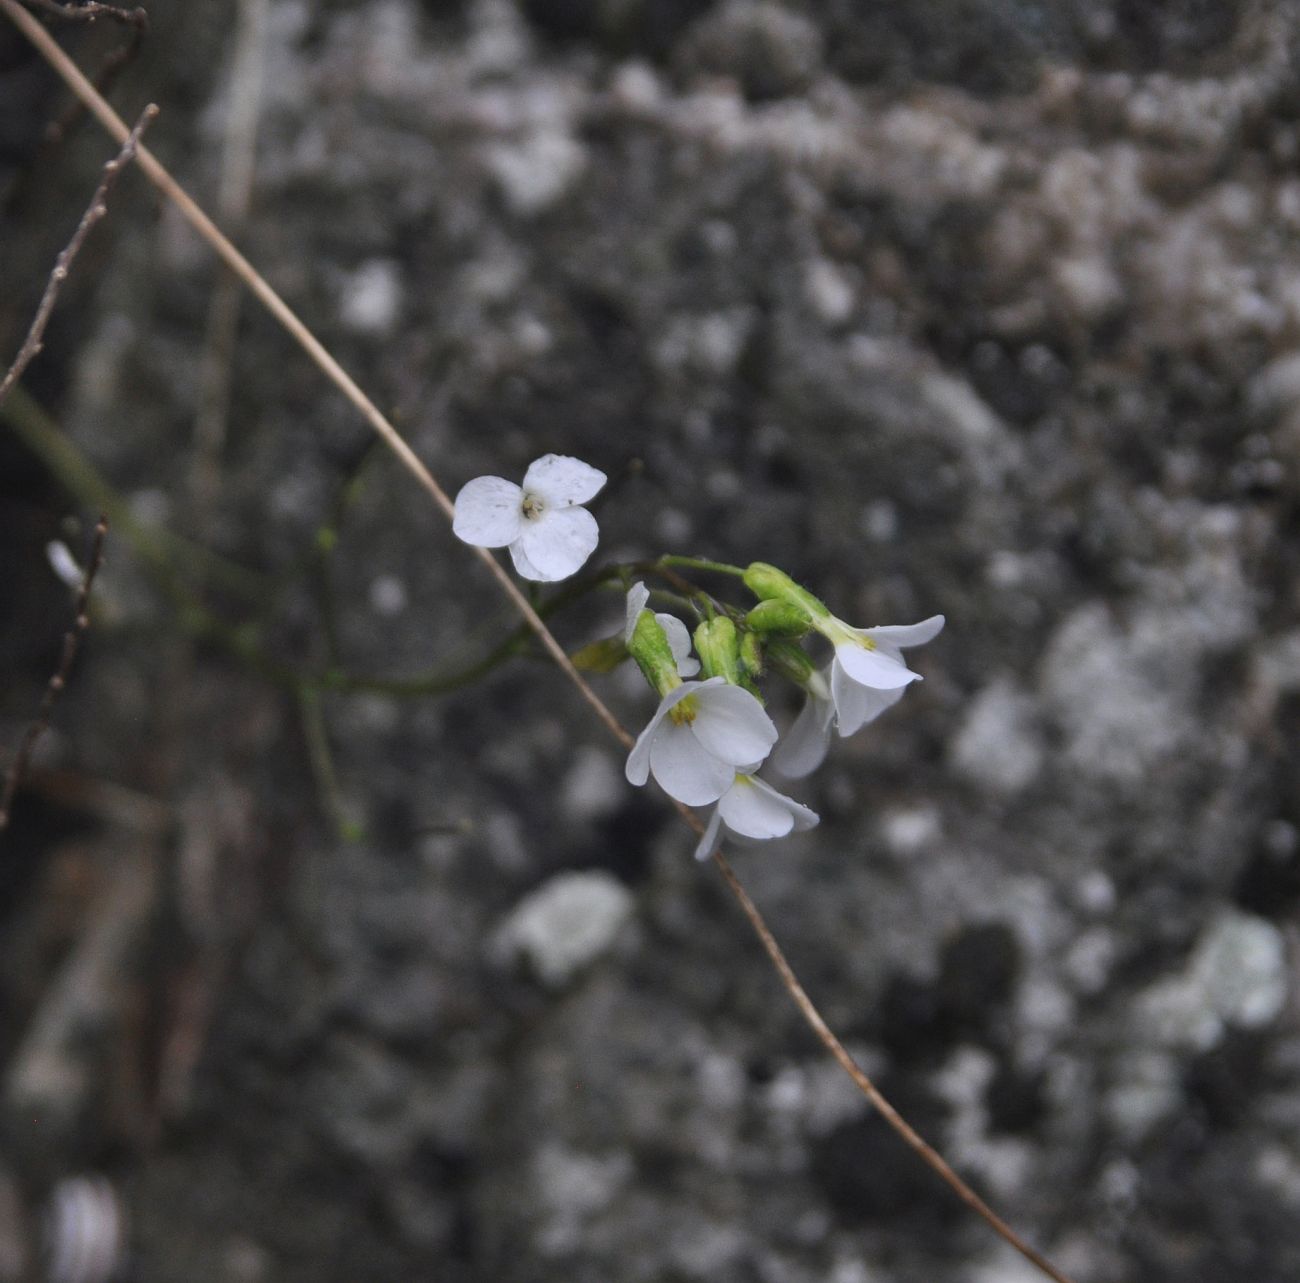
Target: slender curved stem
x=927, y=1153
x=702, y=563
x=330, y=367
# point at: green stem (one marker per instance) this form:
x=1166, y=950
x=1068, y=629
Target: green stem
x=701, y=563
x=322, y=763
x=158, y=549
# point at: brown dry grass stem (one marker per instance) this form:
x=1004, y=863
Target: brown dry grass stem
x=54, y=688
x=96, y=210
x=330, y=367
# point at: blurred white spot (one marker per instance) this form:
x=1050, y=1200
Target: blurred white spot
x=63, y=563
x=387, y=595
x=566, y=924
x=372, y=297
x=86, y=1231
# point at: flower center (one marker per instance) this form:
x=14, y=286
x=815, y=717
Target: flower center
x=684, y=711
x=533, y=507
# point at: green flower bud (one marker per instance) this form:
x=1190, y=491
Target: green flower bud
x=767, y=583
x=649, y=646
x=718, y=649
x=751, y=654
x=601, y=656
x=775, y=618
x=791, y=661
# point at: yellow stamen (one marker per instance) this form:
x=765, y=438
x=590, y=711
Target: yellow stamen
x=683, y=713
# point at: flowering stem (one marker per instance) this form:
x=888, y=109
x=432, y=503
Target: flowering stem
x=331, y=368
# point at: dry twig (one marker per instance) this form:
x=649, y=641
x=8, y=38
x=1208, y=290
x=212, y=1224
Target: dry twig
x=258, y=285
x=96, y=210
x=90, y=10
x=71, y=642
x=137, y=20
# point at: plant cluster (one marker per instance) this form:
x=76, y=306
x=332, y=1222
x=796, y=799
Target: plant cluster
x=711, y=733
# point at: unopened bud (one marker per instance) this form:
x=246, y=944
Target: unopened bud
x=718, y=649
x=767, y=583
x=601, y=656
x=791, y=661
x=775, y=618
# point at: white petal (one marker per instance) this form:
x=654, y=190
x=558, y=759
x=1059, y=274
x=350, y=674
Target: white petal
x=856, y=705
x=709, y=840
x=732, y=725
x=637, y=596
x=638, y=760
x=685, y=769
x=523, y=567
x=489, y=512
x=754, y=809
x=562, y=480
x=679, y=642
x=558, y=542
x=803, y=747
x=872, y=668
x=803, y=817
x=906, y=635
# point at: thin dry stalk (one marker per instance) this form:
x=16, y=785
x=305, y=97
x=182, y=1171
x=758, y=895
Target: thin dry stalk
x=330, y=367
x=233, y=199
x=96, y=210
x=55, y=687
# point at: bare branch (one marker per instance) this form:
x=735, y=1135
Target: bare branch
x=96, y=210
x=71, y=642
x=89, y=10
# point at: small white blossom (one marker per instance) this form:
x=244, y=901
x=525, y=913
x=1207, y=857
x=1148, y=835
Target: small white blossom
x=700, y=734
x=754, y=809
x=839, y=696
x=679, y=637
x=548, y=534
x=869, y=673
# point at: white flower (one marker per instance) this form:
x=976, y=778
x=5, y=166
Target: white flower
x=679, y=637
x=840, y=695
x=549, y=536
x=869, y=673
x=700, y=734
x=754, y=809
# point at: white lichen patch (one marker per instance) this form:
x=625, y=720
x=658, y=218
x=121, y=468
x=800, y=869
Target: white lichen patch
x=565, y=925
x=1236, y=977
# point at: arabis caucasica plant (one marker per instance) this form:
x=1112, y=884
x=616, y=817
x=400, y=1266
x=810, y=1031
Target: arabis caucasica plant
x=549, y=536
x=710, y=733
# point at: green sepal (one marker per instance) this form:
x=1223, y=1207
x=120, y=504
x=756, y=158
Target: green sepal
x=751, y=654
x=649, y=647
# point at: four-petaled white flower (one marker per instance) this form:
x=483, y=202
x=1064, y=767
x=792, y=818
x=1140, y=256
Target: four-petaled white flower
x=548, y=535
x=679, y=637
x=854, y=689
x=754, y=809
x=701, y=733
x=869, y=673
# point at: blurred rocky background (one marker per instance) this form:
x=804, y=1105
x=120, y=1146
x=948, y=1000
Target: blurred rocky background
x=988, y=307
